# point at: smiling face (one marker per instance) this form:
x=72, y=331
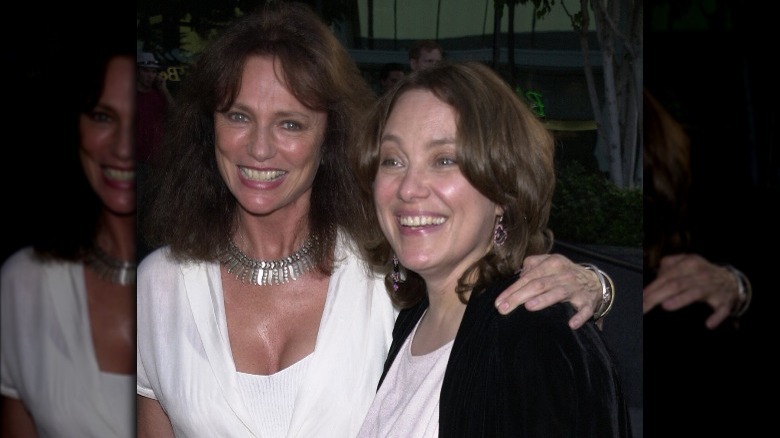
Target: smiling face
x=436, y=221
x=268, y=144
x=107, y=149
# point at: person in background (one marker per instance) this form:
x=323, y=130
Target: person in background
x=256, y=315
x=461, y=175
x=68, y=299
x=425, y=53
x=391, y=73
x=152, y=102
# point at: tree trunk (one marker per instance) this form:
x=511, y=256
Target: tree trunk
x=619, y=120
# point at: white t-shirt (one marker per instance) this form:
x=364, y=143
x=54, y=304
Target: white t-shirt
x=407, y=403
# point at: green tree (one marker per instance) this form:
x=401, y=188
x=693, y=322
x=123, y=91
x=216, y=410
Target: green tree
x=540, y=9
x=159, y=22
x=619, y=26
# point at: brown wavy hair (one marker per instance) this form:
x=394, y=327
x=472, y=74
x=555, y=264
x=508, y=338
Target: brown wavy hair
x=503, y=150
x=71, y=235
x=667, y=177
x=191, y=208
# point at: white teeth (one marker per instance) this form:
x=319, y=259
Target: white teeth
x=119, y=174
x=419, y=221
x=261, y=175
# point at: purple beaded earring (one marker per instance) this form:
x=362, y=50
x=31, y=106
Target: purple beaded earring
x=499, y=233
x=396, y=273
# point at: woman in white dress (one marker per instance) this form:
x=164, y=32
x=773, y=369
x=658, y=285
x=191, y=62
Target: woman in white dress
x=68, y=300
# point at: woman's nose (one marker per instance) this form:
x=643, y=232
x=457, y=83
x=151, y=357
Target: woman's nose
x=260, y=144
x=124, y=144
x=413, y=184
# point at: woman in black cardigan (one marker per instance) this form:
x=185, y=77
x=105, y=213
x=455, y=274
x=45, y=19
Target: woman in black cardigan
x=461, y=174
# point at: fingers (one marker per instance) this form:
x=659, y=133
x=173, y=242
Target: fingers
x=536, y=294
x=552, y=278
x=538, y=291
x=517, y=293
x=663, y=288
x=674, y=293
x=511, y=297
x=524, y=291
x=506, y=302
x=580, y=318
x=676, y=275
x=684, y=279
x=548, y=292
x=654, y=294
x=717, y=317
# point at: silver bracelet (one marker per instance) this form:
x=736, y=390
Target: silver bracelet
x=744, y=292
x=607, y=291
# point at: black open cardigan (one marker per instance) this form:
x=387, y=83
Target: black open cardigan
x=526, y=374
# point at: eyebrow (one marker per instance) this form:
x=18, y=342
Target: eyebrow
x=284, y=113
x=434, y=143
x=102, y=106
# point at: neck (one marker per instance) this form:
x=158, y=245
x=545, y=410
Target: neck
x=116, y=235
x=443, y=298
x=440, y=323
x=270, y=237
x=445, y=302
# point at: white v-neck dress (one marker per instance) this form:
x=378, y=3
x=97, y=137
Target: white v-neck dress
x=185, y=361
x=47, y=357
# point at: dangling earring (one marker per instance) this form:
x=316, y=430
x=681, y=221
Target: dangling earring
x=396, y=273
x=499, y=233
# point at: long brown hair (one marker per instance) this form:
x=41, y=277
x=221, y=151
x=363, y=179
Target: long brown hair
x=503, y=150
x=71, y=234
x=192, y=209
x=667, y=177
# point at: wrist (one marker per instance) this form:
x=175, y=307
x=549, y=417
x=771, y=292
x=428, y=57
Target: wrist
x=744, y=292
x=607, y=291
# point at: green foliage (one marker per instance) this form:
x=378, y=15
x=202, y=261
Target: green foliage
x=541, y=7
x=576, y=21
x=588, y=208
